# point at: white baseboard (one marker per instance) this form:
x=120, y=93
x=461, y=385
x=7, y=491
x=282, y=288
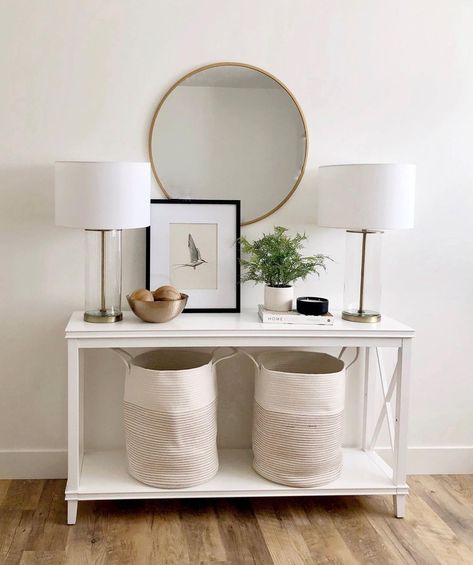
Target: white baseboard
x=33, y=464
x=454, y=460
x=52, y=464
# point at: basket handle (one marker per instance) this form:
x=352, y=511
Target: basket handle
x=215, y=361
x=126, y=357
x=257, y=365
x=354, y=360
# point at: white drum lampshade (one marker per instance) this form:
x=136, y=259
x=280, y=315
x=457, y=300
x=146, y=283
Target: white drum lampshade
x=103, y=198
x=365, y=199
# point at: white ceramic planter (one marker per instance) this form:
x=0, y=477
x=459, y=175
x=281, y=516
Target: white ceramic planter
x=279, y=299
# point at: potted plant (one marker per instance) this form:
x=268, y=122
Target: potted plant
x=276, y=260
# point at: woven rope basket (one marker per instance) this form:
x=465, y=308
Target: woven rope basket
x=298, y=417
x=170, y=414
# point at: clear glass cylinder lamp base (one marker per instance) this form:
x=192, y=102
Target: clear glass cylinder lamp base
x=103, y=284
x=362, y=292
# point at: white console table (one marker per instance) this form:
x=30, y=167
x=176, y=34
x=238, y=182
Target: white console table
x=102, y=475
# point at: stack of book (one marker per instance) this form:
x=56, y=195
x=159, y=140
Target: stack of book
x=293, y=317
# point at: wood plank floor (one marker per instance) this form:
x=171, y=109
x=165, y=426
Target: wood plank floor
x=438, y=529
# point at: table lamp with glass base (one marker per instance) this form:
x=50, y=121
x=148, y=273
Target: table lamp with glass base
x=103, y=198
x=362, y=289
x=365, y=199
x=103, y=282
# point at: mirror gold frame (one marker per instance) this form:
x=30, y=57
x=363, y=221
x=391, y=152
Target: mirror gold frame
x=232, y=64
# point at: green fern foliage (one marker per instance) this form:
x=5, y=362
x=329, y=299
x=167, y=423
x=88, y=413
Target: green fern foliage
x=276, y=259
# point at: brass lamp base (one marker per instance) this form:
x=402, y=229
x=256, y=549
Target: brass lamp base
x=365, y=316
x=99, y=317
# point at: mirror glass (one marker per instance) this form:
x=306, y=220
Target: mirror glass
x=232, y=132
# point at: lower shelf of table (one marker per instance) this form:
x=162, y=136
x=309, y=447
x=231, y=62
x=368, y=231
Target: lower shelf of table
x=105, y=476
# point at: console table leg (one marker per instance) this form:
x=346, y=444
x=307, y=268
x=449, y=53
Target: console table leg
x=72, y=512
x=399, y=501
x=81, y=405
x=400, y=439
x=73, y=425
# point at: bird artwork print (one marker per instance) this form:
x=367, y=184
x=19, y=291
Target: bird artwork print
x=194, y=255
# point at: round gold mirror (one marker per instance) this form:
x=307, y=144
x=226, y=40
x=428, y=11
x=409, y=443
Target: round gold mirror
x=229, y=131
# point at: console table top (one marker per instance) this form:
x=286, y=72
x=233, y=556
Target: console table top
x=247, y=323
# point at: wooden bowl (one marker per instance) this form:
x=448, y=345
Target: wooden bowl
x=158, y=311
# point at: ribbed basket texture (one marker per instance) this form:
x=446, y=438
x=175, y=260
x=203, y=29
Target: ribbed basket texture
x=170, y=417
x=298, y=418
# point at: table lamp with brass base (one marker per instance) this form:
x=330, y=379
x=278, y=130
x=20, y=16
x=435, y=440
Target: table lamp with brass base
x=103, y=198
x=365, y=199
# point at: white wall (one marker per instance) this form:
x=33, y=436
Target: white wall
x=377, y=80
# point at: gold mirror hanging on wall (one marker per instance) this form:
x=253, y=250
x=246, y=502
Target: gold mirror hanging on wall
x=229, y=131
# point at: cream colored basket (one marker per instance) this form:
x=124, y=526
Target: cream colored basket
x=170, y=412
x=298, y=417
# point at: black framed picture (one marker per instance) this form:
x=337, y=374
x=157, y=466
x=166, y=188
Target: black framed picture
x=194, y=246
